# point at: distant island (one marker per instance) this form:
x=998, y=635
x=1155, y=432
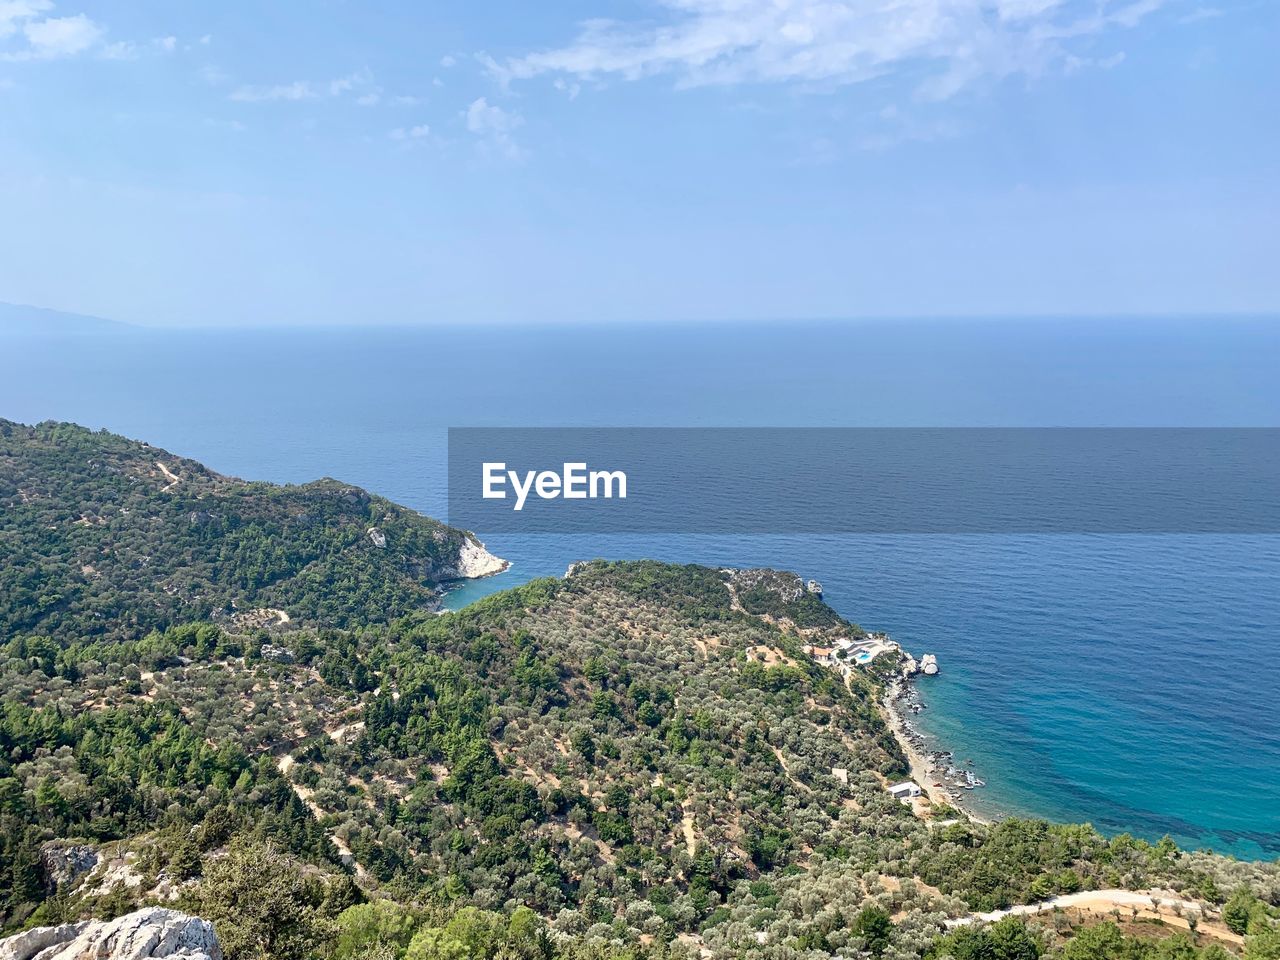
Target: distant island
x=18, y=318
x=238, y=701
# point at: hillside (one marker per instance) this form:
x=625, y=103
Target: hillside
x=628, y=753
x=104, y=536
x=627, y=715
x=637, y=760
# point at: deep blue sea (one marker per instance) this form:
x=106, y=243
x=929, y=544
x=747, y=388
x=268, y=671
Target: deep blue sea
x=1131, y=681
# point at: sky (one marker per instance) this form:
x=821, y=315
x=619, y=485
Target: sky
x=324, y=162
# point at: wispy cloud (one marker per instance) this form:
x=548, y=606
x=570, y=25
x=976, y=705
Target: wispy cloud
x=218, y=123
x=411, y=133
x=298, y=90
x=360, y=86
x=28, y=31
x=1074, y=63
x=127, y=50
x=62, y=36
x=13, y=13
x=894, y=126
x=214, y=76
x=831, y=42
x=494, y=127
x=1200, y=13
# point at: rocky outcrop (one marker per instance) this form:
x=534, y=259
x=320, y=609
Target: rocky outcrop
x=64, y=863
x=276, y=654
x=150, y=933
x=475, y=561
x=787, y=586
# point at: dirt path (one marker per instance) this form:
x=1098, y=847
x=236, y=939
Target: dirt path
x=690, y=837
x=284, y=764
x=1163, y=905
x=782, y=761
x=169, y=475
x=734, y=603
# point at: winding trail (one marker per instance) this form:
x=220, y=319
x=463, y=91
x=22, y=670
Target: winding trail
x=1163, y=905
x=169, y=475
x=285, y=763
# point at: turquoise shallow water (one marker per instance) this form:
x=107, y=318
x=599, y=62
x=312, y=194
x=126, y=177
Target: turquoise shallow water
x=1130, y=681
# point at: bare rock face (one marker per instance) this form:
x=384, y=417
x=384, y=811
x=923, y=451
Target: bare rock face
x=64, y=863
x=474, y=561
x=149, y=933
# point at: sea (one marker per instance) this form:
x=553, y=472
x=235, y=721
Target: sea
x=1131, y=681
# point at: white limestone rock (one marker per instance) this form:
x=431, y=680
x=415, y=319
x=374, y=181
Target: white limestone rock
x=148, y=934
x=474, y=561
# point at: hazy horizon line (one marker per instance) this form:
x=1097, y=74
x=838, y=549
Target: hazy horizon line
x=508, y=322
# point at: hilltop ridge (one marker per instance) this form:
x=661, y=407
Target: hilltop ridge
x=104, y=535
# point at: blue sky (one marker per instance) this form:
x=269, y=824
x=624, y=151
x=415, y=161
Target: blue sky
x=327, y=162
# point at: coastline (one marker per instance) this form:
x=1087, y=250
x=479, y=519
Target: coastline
x=925, y=769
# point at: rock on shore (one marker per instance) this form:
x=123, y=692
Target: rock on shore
x=474, y=561
x=144, y=934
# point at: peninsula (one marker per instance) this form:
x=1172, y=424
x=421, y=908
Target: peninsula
x=235, y=701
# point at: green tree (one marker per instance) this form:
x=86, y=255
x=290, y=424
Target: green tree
x=365, y=926
x=258, y=904
x=875, y=928
x=1008, y=939
x=1263, y=945
x=1042, y=888
x=1011, y=940
x=1102, y=942
x=1236, y=912
x=471, y=934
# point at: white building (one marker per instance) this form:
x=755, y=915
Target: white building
x=905, y=791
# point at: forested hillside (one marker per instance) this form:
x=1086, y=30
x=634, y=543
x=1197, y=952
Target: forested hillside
x=636, y=760
x=627, y=753
x=103, y=536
